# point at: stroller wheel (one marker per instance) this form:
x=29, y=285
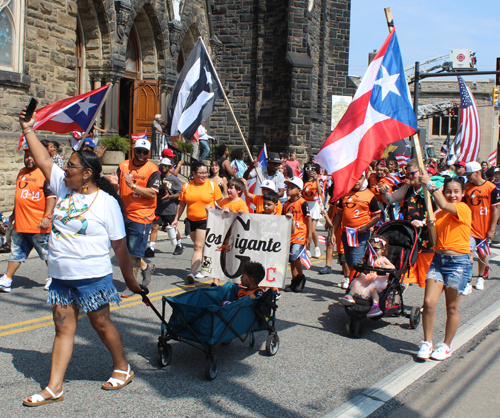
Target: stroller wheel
x=164, y=354
x=354, y=328
x=272, y=344
x=211, y=368
x=415, y=317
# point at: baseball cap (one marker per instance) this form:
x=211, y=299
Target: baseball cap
x=296, y=181
x=472, y=167
x=165, y=161
x=496, y=170
x=142, y=143
x=89, y=142
x=268, y=184
x=167, y=152
x=431, y=170
x=461, y=164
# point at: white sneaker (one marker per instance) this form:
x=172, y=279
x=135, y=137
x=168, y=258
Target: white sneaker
x=317, y=252
x=442, y=353
x=48, y=281
x=468, y=289
x=479, y=284
x=199, y=275
x=5, y=284
x=425, y=350
x=345, y=283
x=308, y=253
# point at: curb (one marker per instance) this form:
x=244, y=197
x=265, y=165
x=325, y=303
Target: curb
x=381, y=392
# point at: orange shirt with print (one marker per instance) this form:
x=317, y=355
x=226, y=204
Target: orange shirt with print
x=197, y=196
x=480, y=200
x=373, y=181
x=310, y=191
x=358, y=208
x=453, y=231
x=258, y=201
x=138, y=208
x=258, y=292
x=300, y=211
x=32, y=193
x=234, y=206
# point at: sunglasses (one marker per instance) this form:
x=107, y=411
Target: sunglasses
x=141, y=151
x=310, y=169
x=413, y=173
x=70, y=166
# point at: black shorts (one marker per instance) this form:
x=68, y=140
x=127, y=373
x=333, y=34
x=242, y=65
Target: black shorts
x=164, y=219
x=194, y=225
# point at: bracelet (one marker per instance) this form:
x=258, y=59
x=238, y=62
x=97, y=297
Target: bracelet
x=26, y=133
x=431, y=187
x=134, y=186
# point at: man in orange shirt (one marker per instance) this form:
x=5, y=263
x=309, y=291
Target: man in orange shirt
x=482, y=198
x=34, y=203
x=138, y=181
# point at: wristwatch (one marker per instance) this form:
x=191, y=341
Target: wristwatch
x=48, y=215
x=134, y=186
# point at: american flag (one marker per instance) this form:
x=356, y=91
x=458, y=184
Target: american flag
x=484, y=248
x=352, y=237
x=402, y=160
x=321, y=239
x=393, y=179
x=492, y=159
x=469, y=121
x=305, y=259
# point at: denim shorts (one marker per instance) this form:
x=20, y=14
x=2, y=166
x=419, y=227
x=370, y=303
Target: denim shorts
x=87, y=294
x=137, y=237
x=23, y=243
x=454, y=271
x=295, y=251
x=355, y=254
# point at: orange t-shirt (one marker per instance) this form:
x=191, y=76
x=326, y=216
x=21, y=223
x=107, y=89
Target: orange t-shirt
x=453, y=231
x=258, y=292
x=234, y=206
x=373, y=185
x=310, y=191
x=138, y=208
x=300, y=211
x=199, y=196
x=358, y=208
x=258, y=201
x=480, y=199
x=32, y=193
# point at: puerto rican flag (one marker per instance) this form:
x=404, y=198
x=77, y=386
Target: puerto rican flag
x=262, y=160
x=352, y=237
x=381, y=113
x=136, y=137
x=74, y=114
x=492, y=158
x=321, y=239
x=372, y=255
x=483, y=248
x=305, y=259
x=393, y=179
x=402, y=160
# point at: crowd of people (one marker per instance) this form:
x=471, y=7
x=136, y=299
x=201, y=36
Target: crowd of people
x=72, y=216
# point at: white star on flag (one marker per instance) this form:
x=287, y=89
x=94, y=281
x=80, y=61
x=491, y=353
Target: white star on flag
x=388, y=83
x=85, y=106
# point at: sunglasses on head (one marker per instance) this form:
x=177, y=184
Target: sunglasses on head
x=141, y=151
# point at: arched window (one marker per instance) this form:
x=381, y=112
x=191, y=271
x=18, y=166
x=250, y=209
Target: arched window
x=11, y=35
x=132, y=56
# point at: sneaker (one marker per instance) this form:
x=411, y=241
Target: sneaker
x=5, y=284
x=468, y=289
x=345, y=283
x=278, y=295
x=374, y=311
x=199, y=275
x=190, y=278
x=347, y=300
x=149, y=252
x=479, y=284
x=317, y=252
x=127, y=293
x=325, y=270
x=178, y=250
x=308, y=253
x=47, y=283
x=442, y=353
x=486, y=273
x=425, y=350
x=146, y=274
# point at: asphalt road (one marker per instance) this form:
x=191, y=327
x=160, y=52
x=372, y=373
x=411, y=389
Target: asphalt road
x=316, y=369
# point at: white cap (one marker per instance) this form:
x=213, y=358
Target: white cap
x=472, y=167
x=165, y=161
x=496, y=170
x=297, y=181
x=268, y=184
x=142, y=143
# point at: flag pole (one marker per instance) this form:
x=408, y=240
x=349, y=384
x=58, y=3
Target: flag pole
x=416, y=142
x=231, y=110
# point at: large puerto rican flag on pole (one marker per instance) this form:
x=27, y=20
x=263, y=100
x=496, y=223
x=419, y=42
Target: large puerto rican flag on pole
x=380, y=113
x=74, y=114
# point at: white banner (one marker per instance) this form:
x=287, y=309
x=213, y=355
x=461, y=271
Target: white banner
x=233, y=239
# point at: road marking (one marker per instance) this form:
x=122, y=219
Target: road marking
x=384, y=390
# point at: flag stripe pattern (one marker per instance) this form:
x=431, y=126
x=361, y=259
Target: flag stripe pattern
x=492, y=158
x=194, y=95
x=136, y=137
x=305, y=259
x=321, y=239
x=352, y=237
x=372, y=255
x=484, y=248
x=469, y=121
x=394, y=179
x=402, y=160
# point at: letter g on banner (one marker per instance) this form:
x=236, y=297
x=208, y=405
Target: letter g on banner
x=223, y=254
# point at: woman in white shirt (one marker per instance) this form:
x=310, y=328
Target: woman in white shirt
x=87, y=221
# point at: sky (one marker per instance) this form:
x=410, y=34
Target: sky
x=426, y=29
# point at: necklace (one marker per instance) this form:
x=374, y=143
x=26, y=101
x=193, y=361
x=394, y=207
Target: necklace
x=81, y=213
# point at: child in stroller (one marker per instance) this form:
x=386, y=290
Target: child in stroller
x=252, y=274
x=371, y=284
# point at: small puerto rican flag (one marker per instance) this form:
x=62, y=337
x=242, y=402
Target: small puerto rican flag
x=372, y=255
x=321, y=239
x=305, y=259
x=484, y=248
x=352, y=237
x=393, y=179
x=136, y=137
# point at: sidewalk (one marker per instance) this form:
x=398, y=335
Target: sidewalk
x=467, y=387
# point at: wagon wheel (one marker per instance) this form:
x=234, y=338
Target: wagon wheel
x=415, y=317
x=164, y=354
x=252, y=340
x=272, y=344
x=354, y=328
x=211, y=368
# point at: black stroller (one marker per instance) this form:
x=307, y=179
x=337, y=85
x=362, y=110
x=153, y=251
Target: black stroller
x=402, y=237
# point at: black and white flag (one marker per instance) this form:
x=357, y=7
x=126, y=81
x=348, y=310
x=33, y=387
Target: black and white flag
x=195, y=92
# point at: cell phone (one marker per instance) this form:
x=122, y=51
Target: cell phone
x=182, y=157
x=30, y=109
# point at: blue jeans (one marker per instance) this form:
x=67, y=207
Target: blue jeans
x=355, y=254
x=23, y=243
x=453, y=271
x=137, y=237
x=204, y=149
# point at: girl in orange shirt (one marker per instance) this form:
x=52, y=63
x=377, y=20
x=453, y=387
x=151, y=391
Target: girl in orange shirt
x=451, y=268
x=311, y=193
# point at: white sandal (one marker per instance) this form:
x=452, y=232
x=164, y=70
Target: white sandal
x=39, y=400
x=119, y=383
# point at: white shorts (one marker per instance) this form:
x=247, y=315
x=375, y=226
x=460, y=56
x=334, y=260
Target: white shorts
x=314, y=210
